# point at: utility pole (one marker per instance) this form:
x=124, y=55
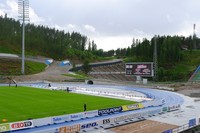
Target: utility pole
x=155, y=60
x=23, y=12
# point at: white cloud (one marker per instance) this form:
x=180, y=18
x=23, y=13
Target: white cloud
x=1, y=9
x=113, y=42
x=34, y=18
x=71, y=26
x=110, y=22
x=58, y=27
x=66, y=28
x=11, y=8
x=169, y=18
x=187, y=28
x=89, y=28
x=2, y=13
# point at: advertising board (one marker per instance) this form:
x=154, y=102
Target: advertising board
x=164, y=109
x=70, y=129
x=54, y=130
x=105, y=121
x=42, y=121
x=109, y=110
x=77, y=116
x=127, y=117
x=21, y=125
x=144, y=69
x=60, y=119
x=151, y=112
x=192, y=122
x=89, y=125
x=4, y=127
x=132, y=107
x=91, y=113
x=174, y=107
x=154, y=103
x=168, y=131
x=137, y=115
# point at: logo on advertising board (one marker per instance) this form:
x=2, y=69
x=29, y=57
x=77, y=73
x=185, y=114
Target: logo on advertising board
x=77, y=116
x=89, y=125
x=61, y=118
x=21, y=125
x=91, y=113
x=70, y=129
x=174, y=107
x=4, y=127
x=132, y=107
x=168, y=131
x=106, y=121
x=192, y=122
x=110, y=110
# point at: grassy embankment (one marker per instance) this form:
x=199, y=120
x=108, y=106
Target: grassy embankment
x=11, y=67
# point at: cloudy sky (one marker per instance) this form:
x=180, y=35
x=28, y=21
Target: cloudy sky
x=113, y=23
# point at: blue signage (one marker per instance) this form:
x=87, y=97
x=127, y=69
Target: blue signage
x=192, y=122
x=110, y=110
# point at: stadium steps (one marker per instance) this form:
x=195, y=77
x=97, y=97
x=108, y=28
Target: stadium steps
x=112, y=72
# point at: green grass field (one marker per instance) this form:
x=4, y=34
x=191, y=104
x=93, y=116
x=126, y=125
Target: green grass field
x=22, y=103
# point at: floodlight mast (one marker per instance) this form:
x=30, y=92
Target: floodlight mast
x=194, y=37
x=23, y=12
x=155, y=59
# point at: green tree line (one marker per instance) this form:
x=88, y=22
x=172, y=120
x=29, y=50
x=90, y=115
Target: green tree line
x=172, y=53
x=42, y=40
x=50, y=42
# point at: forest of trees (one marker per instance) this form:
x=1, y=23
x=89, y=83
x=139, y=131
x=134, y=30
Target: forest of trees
x=41, y=40
x=59, y=45
x=168, y=48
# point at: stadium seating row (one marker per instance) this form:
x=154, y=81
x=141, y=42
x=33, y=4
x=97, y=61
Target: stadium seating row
x=111, y=72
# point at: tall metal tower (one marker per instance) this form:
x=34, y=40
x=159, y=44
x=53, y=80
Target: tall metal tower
x=23, y=12
x=155, y=60
x=194, y=38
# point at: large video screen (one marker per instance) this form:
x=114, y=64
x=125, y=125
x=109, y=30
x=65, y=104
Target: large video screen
x=143, y=69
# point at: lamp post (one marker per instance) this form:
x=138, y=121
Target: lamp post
x=155, y=59
x=23, y=12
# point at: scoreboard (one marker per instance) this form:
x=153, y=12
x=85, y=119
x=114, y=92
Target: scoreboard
x=143, y=69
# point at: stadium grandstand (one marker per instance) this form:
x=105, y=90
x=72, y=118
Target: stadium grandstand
x=195, y=76
x=110, y=71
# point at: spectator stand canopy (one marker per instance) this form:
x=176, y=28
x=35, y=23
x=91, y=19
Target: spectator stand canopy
x=65, y=63
x=49, y=61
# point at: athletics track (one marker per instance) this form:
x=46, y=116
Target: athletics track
x=169, y=99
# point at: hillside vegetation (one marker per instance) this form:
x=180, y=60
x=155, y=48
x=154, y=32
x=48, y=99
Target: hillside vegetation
x=10, y=67
x=45, y=41
x=178, y=56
